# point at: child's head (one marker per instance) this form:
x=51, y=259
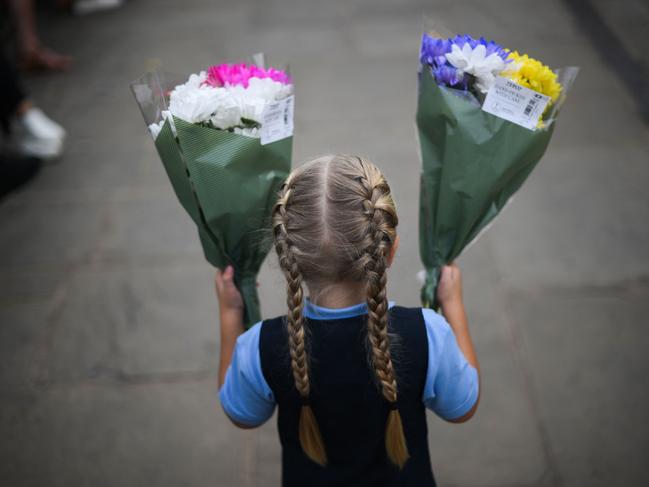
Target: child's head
x=335, y=222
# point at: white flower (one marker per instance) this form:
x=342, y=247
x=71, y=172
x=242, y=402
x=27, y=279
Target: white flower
x=155, y=128
x=237, y=102
x=267, y=89
x=476, y=62
x=194, y=101
x=248, y=132
x=227, y=113
x=225, y=107
x=252, y=108
x=195, y=80
x=252, y=101
x=194, y=106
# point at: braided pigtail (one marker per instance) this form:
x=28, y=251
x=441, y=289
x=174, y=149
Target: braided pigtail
x=335, y=224
x=377, y=244
x=309, y=433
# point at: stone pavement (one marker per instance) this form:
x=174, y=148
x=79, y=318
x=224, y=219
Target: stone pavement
x=108, y=321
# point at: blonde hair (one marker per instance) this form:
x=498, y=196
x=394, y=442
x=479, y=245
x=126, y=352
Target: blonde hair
x=335, y=221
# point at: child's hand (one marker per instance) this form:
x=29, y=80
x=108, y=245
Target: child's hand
x=227, y=293
x=449, y=291
x=231, y=319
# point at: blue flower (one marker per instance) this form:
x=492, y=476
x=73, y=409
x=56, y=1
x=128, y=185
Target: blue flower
x=449, y=76
x=433, y=51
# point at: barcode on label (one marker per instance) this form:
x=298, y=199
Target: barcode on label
x=529, y=107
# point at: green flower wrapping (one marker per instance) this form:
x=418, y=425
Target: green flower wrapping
x=228, y=184
x=472, y=163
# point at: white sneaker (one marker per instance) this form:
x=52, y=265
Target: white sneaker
x=39, y=135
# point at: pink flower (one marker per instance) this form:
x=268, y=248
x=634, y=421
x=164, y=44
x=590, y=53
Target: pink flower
x=240, y=74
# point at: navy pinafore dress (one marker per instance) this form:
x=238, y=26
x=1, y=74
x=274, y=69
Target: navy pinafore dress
x=348, y=405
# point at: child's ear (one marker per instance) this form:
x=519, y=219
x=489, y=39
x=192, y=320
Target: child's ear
x=393, y=250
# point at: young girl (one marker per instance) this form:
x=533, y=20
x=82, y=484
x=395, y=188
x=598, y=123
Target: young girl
x=350, y=372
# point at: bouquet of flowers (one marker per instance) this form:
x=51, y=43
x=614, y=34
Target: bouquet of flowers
x=225, y=138
x=485, y=116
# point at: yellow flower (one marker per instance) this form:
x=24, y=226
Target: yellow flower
x=532, y=74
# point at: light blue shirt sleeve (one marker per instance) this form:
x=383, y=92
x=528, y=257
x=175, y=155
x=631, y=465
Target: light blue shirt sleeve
x=452, y=383
x=245, y=395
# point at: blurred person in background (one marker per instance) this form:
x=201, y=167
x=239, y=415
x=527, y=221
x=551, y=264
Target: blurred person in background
x=32, y=53
x=33, y=135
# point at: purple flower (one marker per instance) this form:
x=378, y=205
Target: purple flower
x=433, y=51
x=448, y=76
x=462, y=39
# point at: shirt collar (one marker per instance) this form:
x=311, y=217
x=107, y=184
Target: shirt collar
x=315, y=312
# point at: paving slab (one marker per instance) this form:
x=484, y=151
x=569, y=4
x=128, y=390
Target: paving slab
x=153, y=227
x=579, y=220
x=48, y=234
x=165, y=434
x=588, y=353
x=23, y=338
x=502, y=444
x=30, y=284
x=136, y=322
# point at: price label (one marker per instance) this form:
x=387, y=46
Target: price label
x=515, y=103
x=278, y=121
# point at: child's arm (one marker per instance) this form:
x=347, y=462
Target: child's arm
x=449, y=294
x=245, y=396
x=231, y=319
x=231, y=314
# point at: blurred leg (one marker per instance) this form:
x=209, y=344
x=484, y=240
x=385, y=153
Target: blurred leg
x=12, y=96
x=36, y=135
x=34, y=55
x=15, y=170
